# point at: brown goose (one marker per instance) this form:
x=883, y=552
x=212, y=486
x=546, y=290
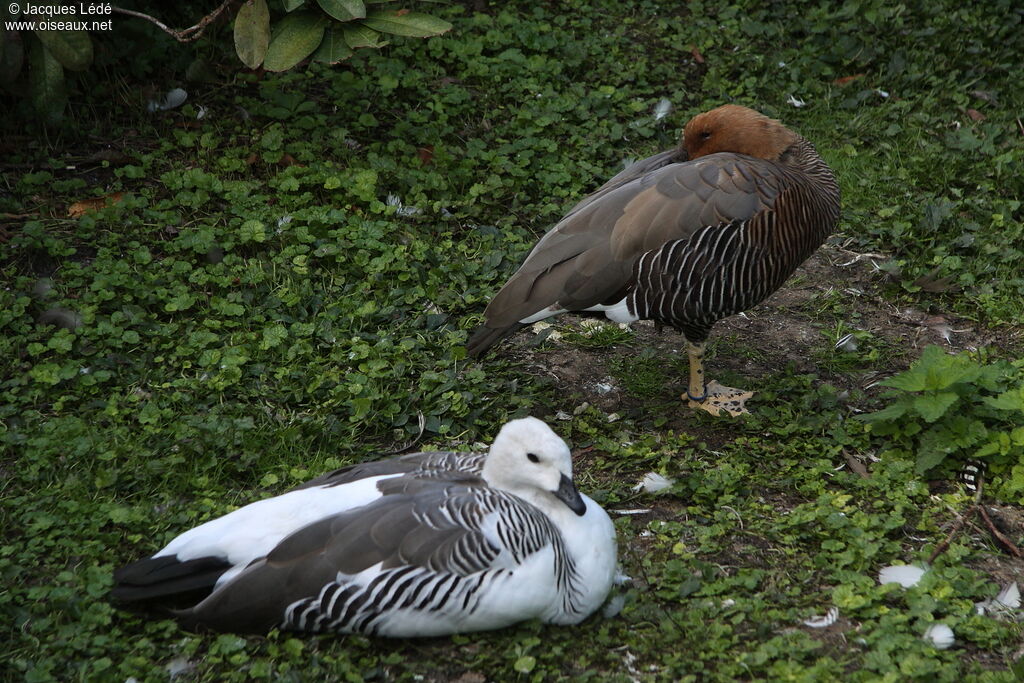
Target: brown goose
x=685, y=238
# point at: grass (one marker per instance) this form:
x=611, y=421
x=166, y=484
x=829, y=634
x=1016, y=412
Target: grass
x=254, y=311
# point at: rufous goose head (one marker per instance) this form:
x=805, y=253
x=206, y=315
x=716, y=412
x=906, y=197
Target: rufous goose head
x=528, y=459
x=732, y=128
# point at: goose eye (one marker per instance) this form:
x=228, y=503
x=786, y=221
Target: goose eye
x=533, y=457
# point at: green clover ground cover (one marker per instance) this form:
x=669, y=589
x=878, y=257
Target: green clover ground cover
x=287, y=283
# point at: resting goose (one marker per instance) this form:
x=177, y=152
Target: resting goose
x=685, y=238
x=421, y=545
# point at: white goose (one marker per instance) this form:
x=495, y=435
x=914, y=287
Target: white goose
x=426, y=544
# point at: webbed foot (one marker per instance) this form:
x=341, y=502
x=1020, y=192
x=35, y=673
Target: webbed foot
x=718, y=398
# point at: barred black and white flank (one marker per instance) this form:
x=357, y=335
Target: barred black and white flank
x=685, y=237
x=421, y=545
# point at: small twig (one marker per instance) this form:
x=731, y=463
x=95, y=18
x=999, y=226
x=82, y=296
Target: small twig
x=1007, y=543
x=185, y=35
x=941, y=547
x=978, y=508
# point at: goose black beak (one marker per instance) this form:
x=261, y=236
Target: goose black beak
x=568, y=494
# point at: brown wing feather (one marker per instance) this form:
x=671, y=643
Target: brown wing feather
x=632, y=172
x=587, y=258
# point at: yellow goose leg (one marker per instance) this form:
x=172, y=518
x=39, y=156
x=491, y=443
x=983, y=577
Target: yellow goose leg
x=712, y=397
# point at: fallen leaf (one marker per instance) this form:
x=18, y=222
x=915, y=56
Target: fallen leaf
x=976, y=115
x=85, y=206
x=697, y=56
x=426, y=154
x=843, y=80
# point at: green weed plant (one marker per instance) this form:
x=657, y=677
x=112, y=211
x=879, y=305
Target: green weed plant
x=949, y=408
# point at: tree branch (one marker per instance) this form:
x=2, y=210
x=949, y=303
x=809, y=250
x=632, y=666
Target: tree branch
x=185, y=35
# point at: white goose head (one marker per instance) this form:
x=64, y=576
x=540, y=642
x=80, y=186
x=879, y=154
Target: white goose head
x=531, y=461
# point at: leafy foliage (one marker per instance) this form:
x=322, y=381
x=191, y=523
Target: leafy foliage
x=329, y=30
x=286, y=284
x=951, y=408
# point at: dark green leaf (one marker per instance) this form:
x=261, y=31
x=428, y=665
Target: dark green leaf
x=933, y=406
x=908, y=380
x=295, y=38
x=73, y=49
x=890, y=412
x=357, y=35
x=404, y=23
x=252, y=32
x=48, y=92
x=344, y=10
x=929, y=458
x=933, y=447
x=333, y=48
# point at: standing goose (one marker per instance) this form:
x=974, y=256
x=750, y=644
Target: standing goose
x=422, y=545
x=685, y=238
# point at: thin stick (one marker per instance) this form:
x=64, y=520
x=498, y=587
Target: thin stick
x=941, y=547
x=185, y=35
x=1007, y=543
